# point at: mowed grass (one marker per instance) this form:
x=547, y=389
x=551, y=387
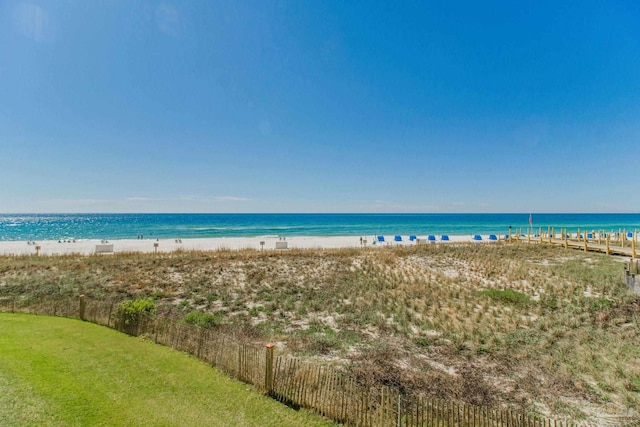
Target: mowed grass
x=64, y=372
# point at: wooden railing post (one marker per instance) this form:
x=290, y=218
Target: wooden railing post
x=633, y=248
x=268, y=368
x=607, y=243
x=83, y=305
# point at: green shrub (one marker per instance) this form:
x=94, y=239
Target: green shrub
x=421, y=342
x=600, y=304
x=204, y=320
x=508, y=296
x=131, y=312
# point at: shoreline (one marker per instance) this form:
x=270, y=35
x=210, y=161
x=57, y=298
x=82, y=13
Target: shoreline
x=92, y=246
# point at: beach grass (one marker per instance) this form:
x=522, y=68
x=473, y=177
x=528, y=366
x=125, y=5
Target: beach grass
x=536, y=328
x=64, y=372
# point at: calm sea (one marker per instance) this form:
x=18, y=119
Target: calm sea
x=129, y=226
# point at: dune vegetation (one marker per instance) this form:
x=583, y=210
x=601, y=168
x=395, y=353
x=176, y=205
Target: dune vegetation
x=538, y=328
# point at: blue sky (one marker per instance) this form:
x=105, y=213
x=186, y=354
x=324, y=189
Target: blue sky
x=310, y=106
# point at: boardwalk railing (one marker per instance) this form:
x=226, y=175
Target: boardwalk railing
x=328, y=390
x=622, y=242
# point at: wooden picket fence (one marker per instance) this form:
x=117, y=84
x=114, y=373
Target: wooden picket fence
x=336, y=395
x=328, y=390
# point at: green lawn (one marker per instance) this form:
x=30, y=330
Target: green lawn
x=64, y=372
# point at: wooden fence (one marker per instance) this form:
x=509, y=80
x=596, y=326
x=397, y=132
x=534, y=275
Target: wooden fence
x=328, y=390
x=336, y=395
x=622, y=242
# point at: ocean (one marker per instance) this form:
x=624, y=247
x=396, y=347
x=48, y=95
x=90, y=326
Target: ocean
x=130, y=226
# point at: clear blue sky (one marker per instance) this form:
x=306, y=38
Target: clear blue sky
x=319, y=106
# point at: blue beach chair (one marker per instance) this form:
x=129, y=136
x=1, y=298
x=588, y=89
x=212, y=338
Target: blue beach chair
x=477, y=237
x=629, y=234
x=590, y=235
x=432, y=238
x=381, y=239
x=397, y=238
x=412, y=238
x=493, y=237
x=444, y=238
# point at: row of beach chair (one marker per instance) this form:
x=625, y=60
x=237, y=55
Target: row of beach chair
x=432, y=238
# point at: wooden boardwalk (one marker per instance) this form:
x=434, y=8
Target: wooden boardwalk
x=587, y=241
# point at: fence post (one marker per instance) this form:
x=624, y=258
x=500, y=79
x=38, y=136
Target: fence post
x=633, y=248
x=109, y=318
x=608, y=251
x=268, y=368
x=83, y=305
x=200, y=342
x=585, y=241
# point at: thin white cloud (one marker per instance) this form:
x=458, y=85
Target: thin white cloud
x=231, y=199
x=83, y=202
x=168, y=20
x=34, y=22
x=386, y=206
x=139, y=199
x=213, y=199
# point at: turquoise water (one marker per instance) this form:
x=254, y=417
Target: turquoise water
x=129, y=226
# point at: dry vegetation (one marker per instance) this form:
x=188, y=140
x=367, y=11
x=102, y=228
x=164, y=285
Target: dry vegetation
x=543, y=329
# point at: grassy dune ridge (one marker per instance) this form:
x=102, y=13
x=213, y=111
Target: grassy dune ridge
x=60, y=372
x=540, y=328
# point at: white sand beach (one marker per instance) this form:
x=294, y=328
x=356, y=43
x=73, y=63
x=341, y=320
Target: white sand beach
x=91, y=246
